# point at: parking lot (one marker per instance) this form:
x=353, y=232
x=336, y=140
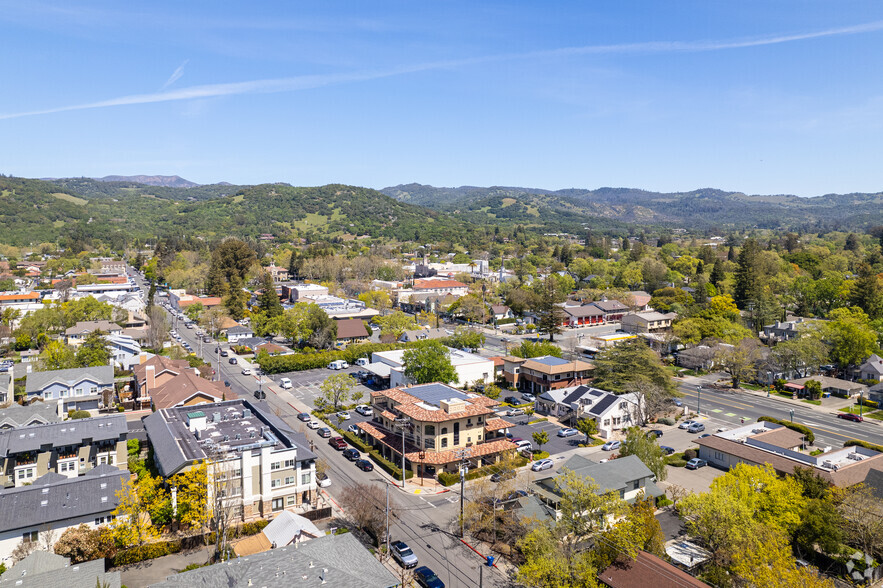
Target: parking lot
x=305, y=384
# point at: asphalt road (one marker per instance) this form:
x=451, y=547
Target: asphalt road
x=728, y=409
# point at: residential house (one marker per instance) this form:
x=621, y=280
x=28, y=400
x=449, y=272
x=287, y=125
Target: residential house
x=24, y=302
x=872, y=369
x=43, y=510
x=613, y=310
x=286, y=528
x=186, y=389
x=266, y=466
x=25, y=415
x=639, y=300
x=774, y=444
x=125, y=352
x=271, y=348
x=470, y=367
x=782, y=330
x=647, y=322
x=338, y=561
x=29, y=355
x=351, y=331
x=501, y=312
x=541, y=374
x=584, y=314
x=44, y=569
x=442, y=421
x=69, y=448
x=78, y=333
x=7, y=388
x=155, y=372
x=834, y=386
x=701, y=357
x=78, y=388
x=612, y=412
x=646, y=568
x=423, y=335
x=626, y=477
x=180, y=300
x=238, y=332
x=875, y=393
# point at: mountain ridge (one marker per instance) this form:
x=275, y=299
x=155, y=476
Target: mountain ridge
x=165, y=181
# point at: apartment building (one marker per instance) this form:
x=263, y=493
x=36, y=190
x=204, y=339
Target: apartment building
x=470, y=367
x=78, y=388
x=69, y=448
x=440, y=422
x=541, y=374
x=257, y=460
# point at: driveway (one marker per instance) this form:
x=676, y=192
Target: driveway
x=305, y=384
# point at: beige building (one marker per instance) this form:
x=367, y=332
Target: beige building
x=440, y=422
x=69, y=448
x=647, y=322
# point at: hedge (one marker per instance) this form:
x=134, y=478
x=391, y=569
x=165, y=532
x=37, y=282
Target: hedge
x=506, y=321
x=865, y=444
x=803, y=429
x=449, y=479
x=666, y=421
x=296, y=362
x=388, y=466
x=869, y=403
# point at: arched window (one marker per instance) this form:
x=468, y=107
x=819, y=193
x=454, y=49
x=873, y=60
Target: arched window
x=444, y=431
x=444, y=442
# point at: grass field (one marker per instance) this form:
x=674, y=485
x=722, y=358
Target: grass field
x=71, y=199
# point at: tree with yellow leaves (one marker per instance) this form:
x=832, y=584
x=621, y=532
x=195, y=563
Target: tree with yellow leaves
x=193, y=507
x=138, y=503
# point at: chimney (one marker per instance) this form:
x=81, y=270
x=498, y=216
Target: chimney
x=151, y=377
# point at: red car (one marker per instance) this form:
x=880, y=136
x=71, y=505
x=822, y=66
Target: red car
x=850, y=417
x=338, y=443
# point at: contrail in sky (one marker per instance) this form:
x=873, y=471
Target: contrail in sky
x=290, y=84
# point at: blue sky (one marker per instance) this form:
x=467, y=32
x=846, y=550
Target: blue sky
x=755, y=96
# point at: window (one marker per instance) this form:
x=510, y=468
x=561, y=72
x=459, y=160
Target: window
x=480, y=420
x=444, y=431
x=291, y=500
x=276, y=465
x=636, y=484
x=606, y=422
x=429, y=430
x=444, y=442
x=278, y=504
x=62, y=393
x=429, y=443
x=30, y=536
x=79, y=391
x=235, y=491
x=289, y=480
x=275, y=483
x=305, y=478
x=93, y=390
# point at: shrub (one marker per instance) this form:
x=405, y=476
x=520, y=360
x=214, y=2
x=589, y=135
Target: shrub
x=677, y=463
x=666, y=421
x=865, y=444
x=143, y=552
x=79, y=414
x=356, y=442
x=690, y=454
x=869, y=403
x=540, y=454
x=449, y=479
x=297, y=362
x=388, y=466
x=803, y=429
x=660, y=502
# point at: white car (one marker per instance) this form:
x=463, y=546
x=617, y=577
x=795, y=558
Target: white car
x=364, y=410
x=686, y=424
x=323, y=480
x=343, y=415
x=542, y=464
x=611, y=445
x=246, y=371
x=314, y=425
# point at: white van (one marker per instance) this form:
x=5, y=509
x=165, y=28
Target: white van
x=338, y=365
x=524, y=445
x=362, y=361
x=285, y=383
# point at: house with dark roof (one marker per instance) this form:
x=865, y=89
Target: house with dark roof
x=872, y=369
x=647, y=568
x=584, y=314
x=782, y=448
x=613, y=310
x=501, y=312
x=541, y=374
x=442, y=422
x=78, y=333
x=78, y=388
x=187, y=389
x=69, y=448
x=155, y=372
x=647, y=322
x=338, y=561
x=43, y=569
x=25, y=415
x=351, y=331
x=612, y=412
x=626, y=477
x=54, y=503
x=7, y=388
x=268, y=467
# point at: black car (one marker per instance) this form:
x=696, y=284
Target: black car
x=364, y=465
x=224, y=353
x=232, y=360
x=668, y=450
x=352, y=454
x=427, y=578
x=500, y=476
x=512, y=400
x=304, y=417
x=654, y=433
x=260, y=394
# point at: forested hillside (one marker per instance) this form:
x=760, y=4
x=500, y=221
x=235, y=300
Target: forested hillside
x=92, y=188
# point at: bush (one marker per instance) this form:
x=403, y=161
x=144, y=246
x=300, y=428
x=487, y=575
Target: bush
x=449, y=479
x=133, y=447
x=388, y=466
x=662, y=501
x=690, y=454
x=869, y=403
x=297, y=362
x=353, y=440
x=803, y=429
x=149, y=551
x=666, y=421
x=677, y=463
x=540, y=454
x=865, y=444
x=79, y=414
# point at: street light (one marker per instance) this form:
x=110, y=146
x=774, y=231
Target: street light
x=792, y=415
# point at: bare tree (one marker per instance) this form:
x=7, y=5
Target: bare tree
x=23, y=549
x=157, y=328
x=652, y=400
x=739, y=361
x=677, y=493
x=366, y=505
x=863, y=516
x=225, y=503
x=48, y=536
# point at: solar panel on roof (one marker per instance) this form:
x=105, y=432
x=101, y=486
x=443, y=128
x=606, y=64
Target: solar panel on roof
x=435, y=393
x=550, y=360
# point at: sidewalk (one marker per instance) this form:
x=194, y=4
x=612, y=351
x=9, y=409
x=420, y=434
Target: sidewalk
x=152, y=571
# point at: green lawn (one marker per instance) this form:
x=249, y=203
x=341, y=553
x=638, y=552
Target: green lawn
x=816, y=402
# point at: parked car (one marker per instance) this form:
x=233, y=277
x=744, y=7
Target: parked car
x=304, y=417
x=541, y=464
x=567, y=432
x=206, y=339
x=696, y=428
x=324, y=432
x=696, y=463
x=343, y=415
x=511, y=400
x=353, y=429
x=260, y=395
x=403, y=554
x=314, y=425
x=678, y=402
x=514, y=412
x=654, y=433
x=364, y=465
x=611, y=445
x=364, y=410
x=426, y=578
x=523, y=445
x=504, y=475
x=339, y=443
x=224, y=353
x=850, y=417
x=352, y=454
x=686, y=424
x=528, y=397
x=667, y=450
x=704, y=435
x=322, y=480
x=246, y=371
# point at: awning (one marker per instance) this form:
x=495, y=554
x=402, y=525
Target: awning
x=379, y=368
x=794, y=386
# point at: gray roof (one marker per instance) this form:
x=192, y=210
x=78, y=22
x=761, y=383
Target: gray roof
x=86, y=327
x=71, y=432
x=43, y=569
x=343, y=561
x=531, y=507
x=175, y=447
x=287, y=526
x=610, y=305
x=422, y=334
x=550, y=360
x=50, y=499
x=21, y=415
x=614, y=475
x=239, y=330
x=37, y=381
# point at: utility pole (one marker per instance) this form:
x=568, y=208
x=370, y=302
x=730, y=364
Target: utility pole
x=699, y=400
x=462, y=454
x=387, y=519
x=403, y=422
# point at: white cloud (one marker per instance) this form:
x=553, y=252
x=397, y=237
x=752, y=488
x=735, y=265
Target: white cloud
x=176, y=75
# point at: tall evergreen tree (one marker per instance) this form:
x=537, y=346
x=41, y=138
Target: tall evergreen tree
x=235, y=300
x=268, y=300
x=867, y=293
x=717, y=274
x=731, y=254
x=550, y=316
x=748, y=284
